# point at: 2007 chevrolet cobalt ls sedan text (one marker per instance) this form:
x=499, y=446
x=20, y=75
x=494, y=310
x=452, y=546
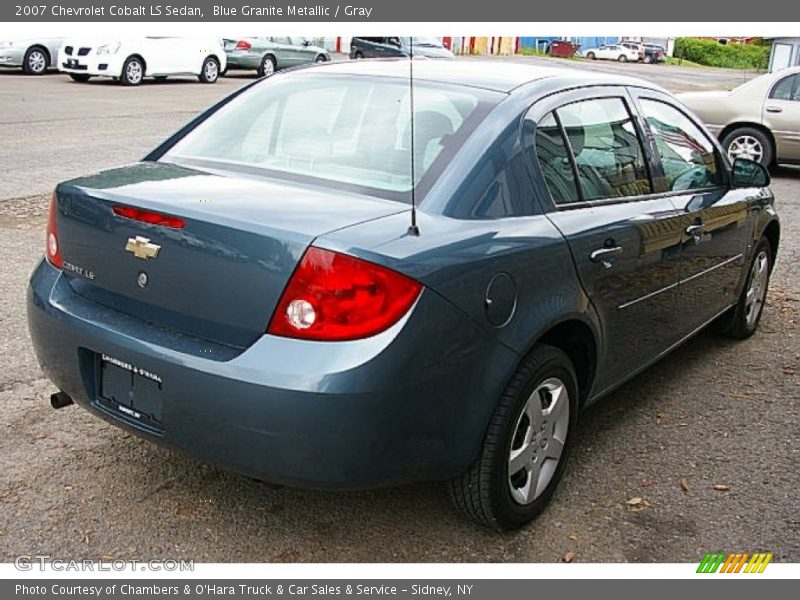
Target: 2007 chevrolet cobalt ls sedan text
x=252, y=291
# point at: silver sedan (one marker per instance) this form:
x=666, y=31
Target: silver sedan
x=759, y=120
x=33, y=55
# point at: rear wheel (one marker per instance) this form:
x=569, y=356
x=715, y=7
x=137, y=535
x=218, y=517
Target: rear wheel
x=132, y=71
x=267, y=67
x=80, y=78
x=209, y=72
x=647, y=59
x=526, y=445
x=591, y=56
x=742, y=320
x=748, y=142
x=622, y=58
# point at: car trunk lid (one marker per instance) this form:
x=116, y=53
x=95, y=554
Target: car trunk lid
x=219, y=276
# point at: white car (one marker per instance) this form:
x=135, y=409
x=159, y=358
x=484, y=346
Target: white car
x=33, y=55
x=131, y=60
x=618, y=52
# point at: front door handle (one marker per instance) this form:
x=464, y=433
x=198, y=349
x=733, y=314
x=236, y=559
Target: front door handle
x=774, y=109
x=602, y=255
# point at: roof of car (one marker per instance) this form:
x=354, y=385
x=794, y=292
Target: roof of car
x=498, y=76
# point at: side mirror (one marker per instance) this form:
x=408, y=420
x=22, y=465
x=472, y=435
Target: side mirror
x=747, y=173
x=393, y=41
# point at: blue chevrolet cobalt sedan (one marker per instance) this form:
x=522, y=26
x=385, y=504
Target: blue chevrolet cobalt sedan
x=341, y=277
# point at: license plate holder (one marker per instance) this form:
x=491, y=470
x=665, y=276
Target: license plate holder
x=129, y=392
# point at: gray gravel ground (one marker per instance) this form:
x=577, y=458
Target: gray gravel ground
x=714, y=412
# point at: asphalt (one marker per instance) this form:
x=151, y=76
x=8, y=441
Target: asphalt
x=640, y=487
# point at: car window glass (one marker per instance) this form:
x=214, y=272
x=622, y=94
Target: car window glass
x=783, y=89
x=349, y=130
x=687, y=156
x=553, y=156
x=608, y=153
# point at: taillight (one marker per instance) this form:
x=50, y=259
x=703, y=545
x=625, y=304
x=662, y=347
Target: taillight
x=53, y=246
x=148, y=216
x=332, y=296
x=243, y=45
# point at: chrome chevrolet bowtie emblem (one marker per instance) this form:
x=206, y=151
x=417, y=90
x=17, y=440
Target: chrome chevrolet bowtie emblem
x=141, y=247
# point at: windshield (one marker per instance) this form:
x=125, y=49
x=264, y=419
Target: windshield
x=347, y=130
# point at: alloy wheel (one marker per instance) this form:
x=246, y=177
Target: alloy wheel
x=538, y=441
x=267, y=67
x=134, y=72
x=757, y=288
x=746, y=146
x=211, y=70
x=37, y=61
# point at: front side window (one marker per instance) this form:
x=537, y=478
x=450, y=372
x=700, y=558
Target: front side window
x=687, y=156
x=606, y=148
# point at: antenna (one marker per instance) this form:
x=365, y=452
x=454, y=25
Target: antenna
x=412, y=229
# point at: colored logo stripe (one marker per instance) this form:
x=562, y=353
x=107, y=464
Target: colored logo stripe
x=735, y=562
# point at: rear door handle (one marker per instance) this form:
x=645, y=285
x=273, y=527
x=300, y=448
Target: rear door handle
x=695, y=230
x=774, y=109
x=601, y=255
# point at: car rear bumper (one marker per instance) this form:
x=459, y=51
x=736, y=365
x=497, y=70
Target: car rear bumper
x=389, y=409
x=243, y=61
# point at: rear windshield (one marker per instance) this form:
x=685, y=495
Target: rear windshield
x=348, y=131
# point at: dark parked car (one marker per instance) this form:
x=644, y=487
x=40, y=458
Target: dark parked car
x=390, y=47
x=653, y=53
x=252, y=292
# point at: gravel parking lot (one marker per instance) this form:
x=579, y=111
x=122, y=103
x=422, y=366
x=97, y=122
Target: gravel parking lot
x=714, y=413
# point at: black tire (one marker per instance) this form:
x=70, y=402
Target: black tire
x=737, y=322
x=358, y=55
x=647, y=59
x=622, y=58
x=483, y=493
x=132, y=71
x=36, y=61
x=209, y=72
x=268, y=66
x=591, y=56
x=80, y=78
x=320, y=58
x=752, y=132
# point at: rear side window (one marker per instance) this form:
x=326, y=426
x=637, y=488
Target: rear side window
x=688, y=158
x=555, y=162
x=786, y=89
x=608, y=155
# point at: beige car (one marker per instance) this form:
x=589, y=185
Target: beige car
x=759, y=120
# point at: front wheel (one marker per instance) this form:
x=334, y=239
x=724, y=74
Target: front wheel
x=622, y=58
x=748, y=142
x=591, y=56
x=742, y=320
x=35, y=61
x=526, y=445
x=209, y=72
x=132, y=71
x=320, y=59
